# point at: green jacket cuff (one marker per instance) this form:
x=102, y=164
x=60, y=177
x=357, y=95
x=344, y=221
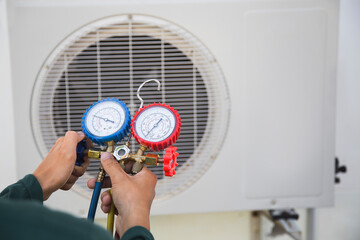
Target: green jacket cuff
x=137, y=233
x=33, y=187
x=27, y=188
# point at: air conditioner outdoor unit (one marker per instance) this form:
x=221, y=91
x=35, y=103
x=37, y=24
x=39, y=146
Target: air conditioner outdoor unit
x=253, y=81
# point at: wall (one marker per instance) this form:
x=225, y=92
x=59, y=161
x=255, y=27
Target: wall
x=343, y=221
x=209, y=226
x=340, y=222
x=7, y=140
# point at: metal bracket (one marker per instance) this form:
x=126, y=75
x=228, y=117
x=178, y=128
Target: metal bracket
x=339, y=169
x=284, y=223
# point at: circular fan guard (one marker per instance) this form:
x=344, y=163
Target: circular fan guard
x=111, y=58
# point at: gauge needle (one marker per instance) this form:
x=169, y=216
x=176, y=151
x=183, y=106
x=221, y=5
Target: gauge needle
x=105, y=119
x=156, y=124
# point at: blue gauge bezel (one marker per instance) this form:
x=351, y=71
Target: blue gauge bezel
x=118, y=135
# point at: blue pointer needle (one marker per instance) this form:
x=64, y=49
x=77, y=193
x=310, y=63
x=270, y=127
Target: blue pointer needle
x=105, y=119
x=156, y=124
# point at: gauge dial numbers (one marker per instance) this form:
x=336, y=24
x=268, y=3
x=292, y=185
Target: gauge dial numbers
x=106, y=120
x=156, y=125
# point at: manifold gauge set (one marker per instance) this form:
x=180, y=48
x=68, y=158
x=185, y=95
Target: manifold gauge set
x=107, y=122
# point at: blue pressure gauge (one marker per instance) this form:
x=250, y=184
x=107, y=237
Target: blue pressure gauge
x=106, y=120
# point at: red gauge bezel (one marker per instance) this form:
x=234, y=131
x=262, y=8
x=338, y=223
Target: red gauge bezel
x=158, y=146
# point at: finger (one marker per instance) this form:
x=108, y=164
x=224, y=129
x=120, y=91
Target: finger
x=71, y=140
x=145, y=175
x=89, y=143
x=72, y=179
x=67, y=186
x=91, y=183
x=86, y=163
x=80, y=170
x=106, y=198
x=106, y=183
x=105, y=208
x=60, y=139
x=81, y=136
x=57, y=144
x=145, y=172
x=128, y=166
x=112, y=167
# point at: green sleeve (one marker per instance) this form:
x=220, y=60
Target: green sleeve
x=31, y=220
x=27, y=188
x=137, y=233
x=24, y=219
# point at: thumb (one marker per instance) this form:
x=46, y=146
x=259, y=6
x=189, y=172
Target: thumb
x=112, y=167
x=80, y=136
x=71, y=140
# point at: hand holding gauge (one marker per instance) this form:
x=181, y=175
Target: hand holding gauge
x=155, y=126
x=105, y=122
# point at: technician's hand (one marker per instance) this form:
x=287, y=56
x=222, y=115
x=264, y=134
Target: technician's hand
x=58, y=169
x=132, y=195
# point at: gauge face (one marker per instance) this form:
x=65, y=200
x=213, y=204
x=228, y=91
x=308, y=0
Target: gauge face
x=105, y=118
x=155, y=124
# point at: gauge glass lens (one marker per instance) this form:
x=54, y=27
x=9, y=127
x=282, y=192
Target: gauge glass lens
x=105, y=118
x=155, y=124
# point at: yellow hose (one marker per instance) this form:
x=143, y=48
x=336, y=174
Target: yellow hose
x=110, y=217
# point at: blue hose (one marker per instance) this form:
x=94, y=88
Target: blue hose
x=94, y=201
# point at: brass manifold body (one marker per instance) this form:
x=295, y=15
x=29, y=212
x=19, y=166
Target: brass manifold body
x=139, y=158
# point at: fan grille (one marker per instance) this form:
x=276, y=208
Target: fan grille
x=111, y=58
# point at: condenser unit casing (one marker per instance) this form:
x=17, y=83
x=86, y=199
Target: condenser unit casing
x=254, y=81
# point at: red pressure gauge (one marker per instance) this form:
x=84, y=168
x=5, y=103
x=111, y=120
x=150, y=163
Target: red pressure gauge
x=156, y=126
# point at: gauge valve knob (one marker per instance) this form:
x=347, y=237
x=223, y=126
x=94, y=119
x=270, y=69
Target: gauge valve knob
x=80, y=148
x=170, y=162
